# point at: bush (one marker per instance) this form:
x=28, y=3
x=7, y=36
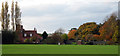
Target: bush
x=8, y=37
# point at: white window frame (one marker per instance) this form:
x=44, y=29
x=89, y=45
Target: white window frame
x=31, y=34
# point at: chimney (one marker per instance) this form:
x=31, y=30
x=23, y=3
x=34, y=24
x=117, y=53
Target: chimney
x=35, y=29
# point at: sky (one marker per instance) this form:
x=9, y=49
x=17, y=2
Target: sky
x=50, y=15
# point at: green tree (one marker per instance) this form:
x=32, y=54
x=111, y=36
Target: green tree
x=44, y=35
x=64, y=36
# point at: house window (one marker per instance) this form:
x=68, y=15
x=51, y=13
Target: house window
x=25, y=35
x=30, y=35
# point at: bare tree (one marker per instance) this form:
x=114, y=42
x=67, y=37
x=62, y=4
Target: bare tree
x=60, y=31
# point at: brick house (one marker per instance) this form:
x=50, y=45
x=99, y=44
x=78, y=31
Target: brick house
x=27, y=34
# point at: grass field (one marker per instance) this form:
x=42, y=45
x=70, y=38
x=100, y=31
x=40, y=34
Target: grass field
x=59, y=49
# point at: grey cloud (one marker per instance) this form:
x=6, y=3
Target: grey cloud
x=95, y=12
x=51, y=9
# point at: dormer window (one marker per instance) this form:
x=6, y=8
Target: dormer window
x=31, y=35
x=25, y=35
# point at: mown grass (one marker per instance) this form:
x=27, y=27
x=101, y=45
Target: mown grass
x=59, y=49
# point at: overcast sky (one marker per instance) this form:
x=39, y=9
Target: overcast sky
x=50, y=15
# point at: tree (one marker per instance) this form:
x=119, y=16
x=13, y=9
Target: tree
x=8, y=37
x=118, y=23
x=109, y=30
x=60, y=31
x=44, y=35
x=71, y=34
x=3, y=18
x=17, y=14
x=12, y=16
x=64, y=36
x=0, y=18
x=56, y=38
x=87, y=30
x=6, y=16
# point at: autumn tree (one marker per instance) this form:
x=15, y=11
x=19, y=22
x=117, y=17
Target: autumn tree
x=118, y=23
x=109, y=31
x=71, y=33
x=87, y=29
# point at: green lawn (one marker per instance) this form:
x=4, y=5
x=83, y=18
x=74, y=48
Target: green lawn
x=59, y=49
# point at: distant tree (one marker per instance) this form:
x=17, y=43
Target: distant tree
x=64, y=36
x=71, y=34
x=87, y=29
x=6, y=16
x=56, y=38
x=3, y=18
x=12, y=16
x=17, y=14
x=60, y=31
x=14, y=13
x=0, y=17
x=118, y=23
x=109, y=30
x=44, y=35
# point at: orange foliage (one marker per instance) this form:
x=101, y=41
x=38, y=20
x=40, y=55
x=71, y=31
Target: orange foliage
x=97, y=37
x=107, y=30
x=71, y=34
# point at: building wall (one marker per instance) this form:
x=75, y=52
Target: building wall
x=27, y=34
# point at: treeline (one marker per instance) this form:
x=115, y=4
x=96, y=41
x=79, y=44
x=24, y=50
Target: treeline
x=92, y=33
x=89, y=33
